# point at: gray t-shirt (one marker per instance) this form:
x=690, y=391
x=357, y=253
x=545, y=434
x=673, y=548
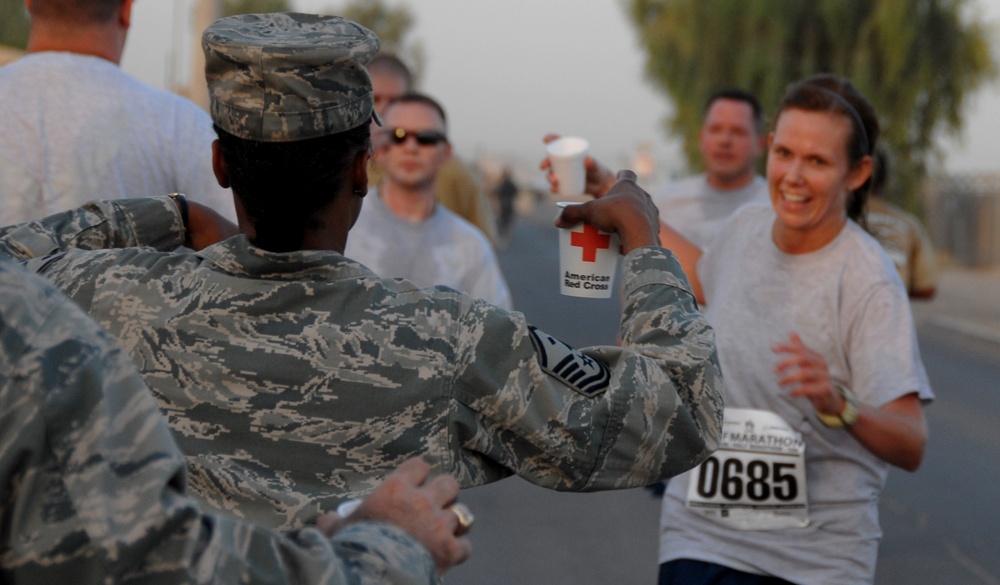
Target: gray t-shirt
x=847, y=302
x=699, y=211
x=444, y=250
x=82, y=129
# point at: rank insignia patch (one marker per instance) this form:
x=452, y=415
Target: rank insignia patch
x=575, y=369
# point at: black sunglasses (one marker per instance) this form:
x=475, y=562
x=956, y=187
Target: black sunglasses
x=424, y=137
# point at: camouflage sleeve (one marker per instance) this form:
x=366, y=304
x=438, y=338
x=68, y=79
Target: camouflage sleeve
x=602, y=417
x=154, y=222
x=92, y=481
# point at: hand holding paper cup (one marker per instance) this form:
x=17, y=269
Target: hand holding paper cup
x=588, y=261
x=566, y=155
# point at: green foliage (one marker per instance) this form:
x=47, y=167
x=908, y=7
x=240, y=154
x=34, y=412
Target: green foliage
x=13, y=24
x=917, y=60
x=231, y=7
x=390, y=24
x=393, y=26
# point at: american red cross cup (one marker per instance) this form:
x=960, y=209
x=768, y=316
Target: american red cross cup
x=588, y=261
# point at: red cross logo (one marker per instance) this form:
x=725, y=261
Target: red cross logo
x=590, y=240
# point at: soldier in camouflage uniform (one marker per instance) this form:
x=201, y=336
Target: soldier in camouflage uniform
x=294, y=377
x=92, y=484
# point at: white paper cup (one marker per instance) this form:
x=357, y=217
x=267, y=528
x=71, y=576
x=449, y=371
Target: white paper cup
x=566, y=156
x=588, y=261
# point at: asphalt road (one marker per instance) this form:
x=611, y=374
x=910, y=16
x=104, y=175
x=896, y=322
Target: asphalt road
x=941, y=524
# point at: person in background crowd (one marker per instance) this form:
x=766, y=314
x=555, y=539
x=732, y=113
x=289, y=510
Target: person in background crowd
x=80, y=128
x=506, y=193
x=402, y=231
x=902, y=236
x=731, y=140
x=457, y=188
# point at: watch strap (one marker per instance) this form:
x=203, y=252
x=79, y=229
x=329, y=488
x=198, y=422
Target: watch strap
x=848, y=415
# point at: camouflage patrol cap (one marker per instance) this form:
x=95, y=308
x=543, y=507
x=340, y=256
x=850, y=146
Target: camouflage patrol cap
x=282, y=77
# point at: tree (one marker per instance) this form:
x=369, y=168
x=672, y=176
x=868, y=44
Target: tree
x=917, y=60
x=232, y=7
x=13, y=24
x=393, y=26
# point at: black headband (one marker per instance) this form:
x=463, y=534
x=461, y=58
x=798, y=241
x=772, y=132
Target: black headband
x=854, y=114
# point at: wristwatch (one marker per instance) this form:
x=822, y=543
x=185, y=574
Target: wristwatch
x=182, y=204
x=848, y=415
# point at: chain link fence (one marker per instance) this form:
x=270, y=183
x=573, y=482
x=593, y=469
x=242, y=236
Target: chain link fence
x=962, y=216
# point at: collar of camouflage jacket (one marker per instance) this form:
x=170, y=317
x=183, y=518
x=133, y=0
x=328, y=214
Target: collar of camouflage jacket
x=238, y=257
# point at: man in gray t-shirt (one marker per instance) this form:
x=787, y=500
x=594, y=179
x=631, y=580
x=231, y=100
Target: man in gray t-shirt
x=731, y=140
x=402, y=230
x=79, y=128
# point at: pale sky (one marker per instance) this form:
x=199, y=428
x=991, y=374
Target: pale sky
x=510, y=71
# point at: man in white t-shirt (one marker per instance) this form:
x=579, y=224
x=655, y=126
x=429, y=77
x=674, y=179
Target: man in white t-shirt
x=402, y=230
x=79, y=128
x=731, y=140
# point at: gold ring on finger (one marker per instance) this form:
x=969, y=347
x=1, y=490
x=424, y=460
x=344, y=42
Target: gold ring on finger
x=465, y=518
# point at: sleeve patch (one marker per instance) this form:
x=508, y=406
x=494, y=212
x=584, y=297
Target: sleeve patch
x=573, y=368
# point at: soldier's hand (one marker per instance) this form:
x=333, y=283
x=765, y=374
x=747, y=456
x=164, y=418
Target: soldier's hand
x=626, y=210
x=419, y=505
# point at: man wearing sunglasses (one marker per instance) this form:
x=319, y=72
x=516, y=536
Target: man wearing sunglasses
x=402, y=230
x=457, y=188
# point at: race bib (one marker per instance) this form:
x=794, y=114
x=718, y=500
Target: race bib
x=756, y=480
